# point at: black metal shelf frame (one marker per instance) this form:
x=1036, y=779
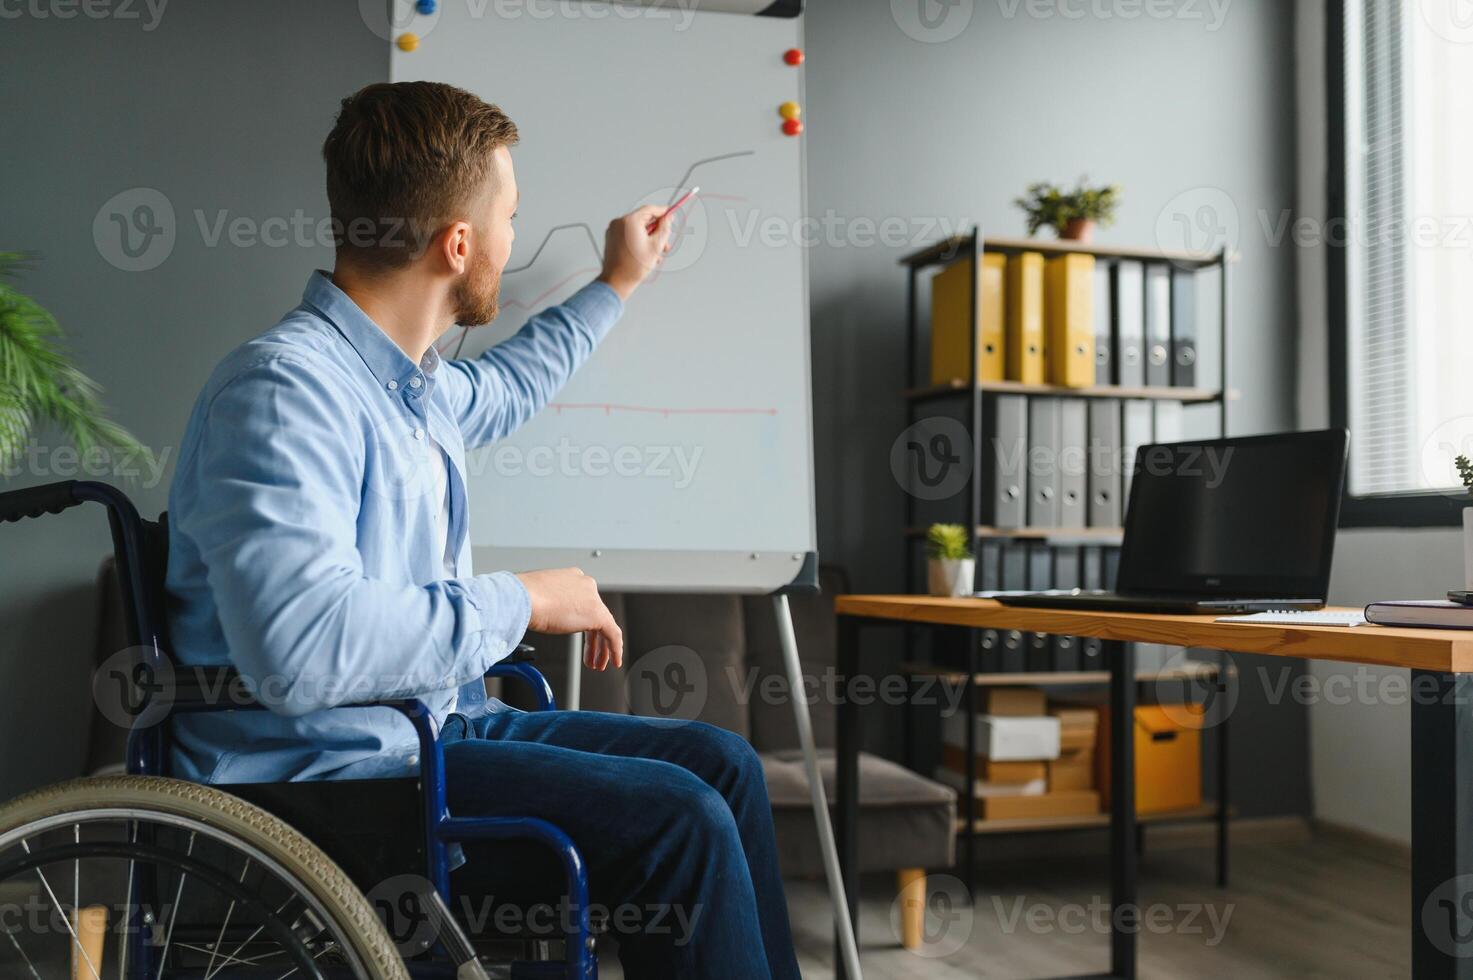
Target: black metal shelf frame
x=973, y=246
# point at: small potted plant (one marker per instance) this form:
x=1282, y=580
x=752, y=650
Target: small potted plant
x=952, y=567
x=1465, y=473
x=1073, y=214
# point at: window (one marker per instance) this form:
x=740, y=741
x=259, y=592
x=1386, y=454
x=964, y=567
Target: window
x=1401, y=82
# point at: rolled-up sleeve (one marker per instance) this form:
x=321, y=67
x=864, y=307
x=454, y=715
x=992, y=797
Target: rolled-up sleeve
x=495, y=393
x=279, y=478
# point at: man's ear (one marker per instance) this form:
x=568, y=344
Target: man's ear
x=454, y=246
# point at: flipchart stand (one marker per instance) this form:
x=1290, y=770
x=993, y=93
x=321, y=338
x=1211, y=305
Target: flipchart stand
x=789, y=640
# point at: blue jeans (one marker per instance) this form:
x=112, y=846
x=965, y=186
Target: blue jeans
x=672, y=817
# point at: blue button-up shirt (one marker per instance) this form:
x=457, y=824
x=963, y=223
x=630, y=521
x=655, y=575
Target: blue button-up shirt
x=303, y=542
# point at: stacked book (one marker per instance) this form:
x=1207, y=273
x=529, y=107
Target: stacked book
x=1022, y=768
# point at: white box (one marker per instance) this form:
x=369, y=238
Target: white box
x=1005, y=738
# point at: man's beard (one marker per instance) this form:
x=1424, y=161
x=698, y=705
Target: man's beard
x=475, y=293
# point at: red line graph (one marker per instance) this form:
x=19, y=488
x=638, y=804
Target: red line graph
x=536, y=301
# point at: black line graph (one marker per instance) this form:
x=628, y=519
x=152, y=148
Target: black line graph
x=588, y=231
x=685, y=178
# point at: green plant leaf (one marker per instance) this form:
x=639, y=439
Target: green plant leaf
x=1047, y=204
x=948, y=541
x=38, y=382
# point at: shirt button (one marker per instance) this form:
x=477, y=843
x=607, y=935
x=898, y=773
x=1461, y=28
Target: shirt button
x=419, y=433
x=415, y=382
x=413, y=760
x=393, y=385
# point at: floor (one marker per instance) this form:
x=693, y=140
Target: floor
x=1307, y=908
x=1298, y=906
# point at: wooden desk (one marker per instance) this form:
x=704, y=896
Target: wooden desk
x=1441, y=764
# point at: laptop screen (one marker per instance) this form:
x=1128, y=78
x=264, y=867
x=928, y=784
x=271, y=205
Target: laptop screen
x=1235, y=518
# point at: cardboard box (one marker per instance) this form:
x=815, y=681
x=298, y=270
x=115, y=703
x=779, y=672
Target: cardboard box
x=1070, y=803
x=984, y=790
x=1003, y=738
x=1168, y=757
x=1072, y=770
x=1013, y=702
x=993, y=770
x=1078, y=727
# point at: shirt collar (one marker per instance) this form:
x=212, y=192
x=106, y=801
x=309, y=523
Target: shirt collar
x=384, y=358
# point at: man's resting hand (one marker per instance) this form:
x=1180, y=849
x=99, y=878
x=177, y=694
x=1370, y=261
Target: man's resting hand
x=564, y=601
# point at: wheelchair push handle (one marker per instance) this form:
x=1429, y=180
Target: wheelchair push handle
x=50, y=498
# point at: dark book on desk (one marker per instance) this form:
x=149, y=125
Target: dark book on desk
x=1437, y=613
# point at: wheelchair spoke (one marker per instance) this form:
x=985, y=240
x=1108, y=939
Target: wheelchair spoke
x=61, y=909
x=29, y=965
x=174, y=912
x=228, y=960
x=127, y=906
x=315, y=956
x=246, y=941
x=220, y=939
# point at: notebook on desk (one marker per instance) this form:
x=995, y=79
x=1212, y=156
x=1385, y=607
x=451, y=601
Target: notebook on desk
x=1224, y=526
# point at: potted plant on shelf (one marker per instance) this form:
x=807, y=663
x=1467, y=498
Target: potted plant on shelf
x=1465, y=473
x=39, y=384
x=952, y=567
x=1073, y=214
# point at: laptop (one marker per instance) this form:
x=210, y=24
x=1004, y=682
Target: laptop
x=1224, y=525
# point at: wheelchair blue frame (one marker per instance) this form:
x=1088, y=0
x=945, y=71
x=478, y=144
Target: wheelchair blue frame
x=148, y=749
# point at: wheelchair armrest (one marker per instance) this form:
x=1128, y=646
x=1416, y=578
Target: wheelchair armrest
x=523, y=671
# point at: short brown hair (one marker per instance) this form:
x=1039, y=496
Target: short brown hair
x=404, y=159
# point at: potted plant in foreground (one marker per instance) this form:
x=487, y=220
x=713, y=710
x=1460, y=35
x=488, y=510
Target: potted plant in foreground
x=1465, y=473
x=1073, y=214
x=952, y=567
x=38, y=382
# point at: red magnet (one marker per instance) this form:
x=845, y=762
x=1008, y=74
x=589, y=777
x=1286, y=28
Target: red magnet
x=792, y=127
x=793, y=56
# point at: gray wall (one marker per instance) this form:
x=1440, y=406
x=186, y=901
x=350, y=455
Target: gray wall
x=899, y=127
x=224, y=106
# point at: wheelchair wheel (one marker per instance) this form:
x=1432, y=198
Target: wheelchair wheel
x=138, y=876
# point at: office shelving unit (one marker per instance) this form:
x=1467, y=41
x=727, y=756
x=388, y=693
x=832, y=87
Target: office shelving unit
x=919, y=396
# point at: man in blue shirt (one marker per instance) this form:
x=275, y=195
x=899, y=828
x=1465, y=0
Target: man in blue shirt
x=319, y=545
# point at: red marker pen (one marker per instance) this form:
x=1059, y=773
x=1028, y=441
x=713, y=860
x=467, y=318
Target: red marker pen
x=650, y=228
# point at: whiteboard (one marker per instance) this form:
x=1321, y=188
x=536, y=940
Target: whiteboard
x=680, y=456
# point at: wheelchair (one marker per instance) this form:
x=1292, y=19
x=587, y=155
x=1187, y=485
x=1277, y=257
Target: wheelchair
x=322, y=879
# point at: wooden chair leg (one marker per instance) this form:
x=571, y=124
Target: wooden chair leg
x=91, y=926
x=911, y=886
